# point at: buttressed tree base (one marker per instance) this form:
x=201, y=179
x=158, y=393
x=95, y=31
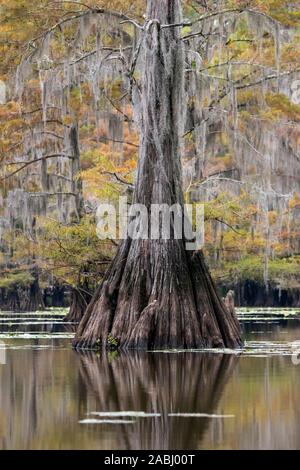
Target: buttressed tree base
x=156, y=294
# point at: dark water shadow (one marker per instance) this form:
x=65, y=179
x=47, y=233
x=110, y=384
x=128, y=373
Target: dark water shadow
x=160, y=383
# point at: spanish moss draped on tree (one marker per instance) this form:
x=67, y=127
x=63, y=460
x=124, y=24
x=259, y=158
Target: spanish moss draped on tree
x=156, y=294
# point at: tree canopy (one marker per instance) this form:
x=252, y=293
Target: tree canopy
x=67, y=65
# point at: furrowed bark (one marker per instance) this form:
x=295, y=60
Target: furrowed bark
x=156, y=294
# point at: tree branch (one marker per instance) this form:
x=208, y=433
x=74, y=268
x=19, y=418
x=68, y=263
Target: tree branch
x=119, y=141
x=98, y=11
x=31, y=162
x=228, y=225
x=118, y=178
x=213, y=14
x=269, y=77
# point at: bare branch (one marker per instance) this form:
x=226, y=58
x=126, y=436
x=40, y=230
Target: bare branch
x=37, y=110
x=269, y=77
x=60, y=193
x=127, y=118
x=119, y=141
x=89, y=54
x=53, y=134
x=218, y=13
x=118, y=178
x=98, y=11
x=228, y=225
x=232, y=180
x=31, y=162
x=203, y=18
x=132, y=22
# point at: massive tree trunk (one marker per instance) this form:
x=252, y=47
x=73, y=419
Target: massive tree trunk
x=156, y=294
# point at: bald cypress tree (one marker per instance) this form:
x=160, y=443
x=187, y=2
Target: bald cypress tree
x=156, y=293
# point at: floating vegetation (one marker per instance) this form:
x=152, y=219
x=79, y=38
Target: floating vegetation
x=35, y=325
x=35, y=335
x=142, y=414
x=105, y=421
x=13, y=319
x=270, y=317
x=133, y=414
x=199, y=415
x=10, y=323
x=252, y=348
x=266, y=313
x=33, y=347
x=38, y=314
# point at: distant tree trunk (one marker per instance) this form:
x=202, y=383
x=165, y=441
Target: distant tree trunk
x=23, y=299
x=156, y=294
x=58, y=295
x=229, y=302
x=32, y=300
x=79, y=302
x=10, y=301
x=75, y=171
x=80, y=297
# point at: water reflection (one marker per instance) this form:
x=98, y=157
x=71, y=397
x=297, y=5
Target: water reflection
x=45, y=393
x=162, y=384
x=46, y=389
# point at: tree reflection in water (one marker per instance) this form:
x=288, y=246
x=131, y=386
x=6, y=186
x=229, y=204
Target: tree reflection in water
x=159, y=383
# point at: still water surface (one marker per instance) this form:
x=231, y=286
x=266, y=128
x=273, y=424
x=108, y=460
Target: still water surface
x=52, y=397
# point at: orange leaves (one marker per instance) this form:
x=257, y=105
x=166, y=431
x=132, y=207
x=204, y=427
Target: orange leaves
x=9, y=110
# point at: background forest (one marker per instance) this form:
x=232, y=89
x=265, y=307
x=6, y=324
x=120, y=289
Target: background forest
x=68, y=140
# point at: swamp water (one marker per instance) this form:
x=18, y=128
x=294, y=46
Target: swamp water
x=52, y=397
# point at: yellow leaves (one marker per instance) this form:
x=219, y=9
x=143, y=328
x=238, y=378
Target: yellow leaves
x=117, y=89
x=9, y=110
x=249, y=96
x=227, y=209
x=67, y=249
x=294, y=201
x=13, y=279
x=67, y=120
x=281, y=107
x=101, y=163
x=10, y=125
x=252, y=209
x=272, y=216
x=88, y=160
x=122, y=5
x=280, y=10
x=75, y=99
x=97, y=177
x=237, y=229
x=185, y=30
x=290, y=52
